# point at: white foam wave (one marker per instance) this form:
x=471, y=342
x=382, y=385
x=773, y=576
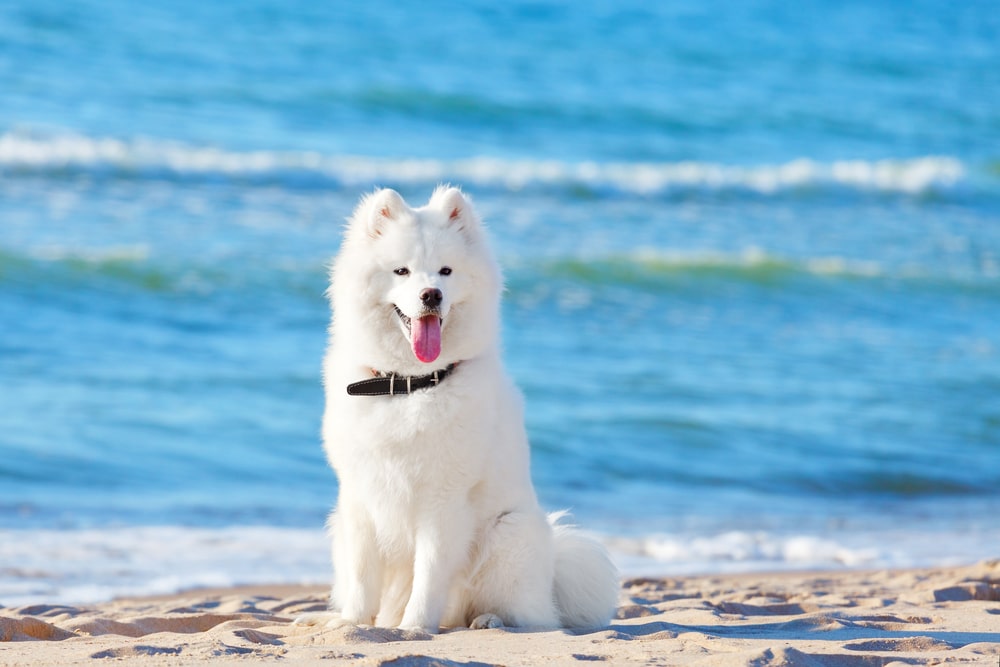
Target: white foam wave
x=80, y=566
x=91, y=565
x=754, y=257
x=748, y=551
x=25, y=152
x=113, y=254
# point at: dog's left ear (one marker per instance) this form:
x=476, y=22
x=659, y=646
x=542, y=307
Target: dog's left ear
x=455, y=206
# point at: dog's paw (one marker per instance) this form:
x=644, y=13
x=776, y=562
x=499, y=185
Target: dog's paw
x=337, y=622
x=314, y=618
x=417, y=621
x=416, y=629
x=486, y=622
x=321, y=619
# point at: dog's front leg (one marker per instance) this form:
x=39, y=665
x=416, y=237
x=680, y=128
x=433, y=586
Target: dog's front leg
x=441, y=549
x=357, y=566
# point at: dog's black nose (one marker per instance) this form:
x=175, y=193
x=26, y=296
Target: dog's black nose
x=431, y=297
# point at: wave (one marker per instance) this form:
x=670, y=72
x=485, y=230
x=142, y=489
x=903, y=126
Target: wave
x=751, y=264
x=137, y=267
x=96, y=564
x=751, y=550
x=74, y=566
x=25, y=153
x=656, y=270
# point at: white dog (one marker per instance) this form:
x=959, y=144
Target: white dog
x=437, y=522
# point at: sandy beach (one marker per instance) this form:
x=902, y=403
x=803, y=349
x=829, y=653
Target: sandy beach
x=841, y=618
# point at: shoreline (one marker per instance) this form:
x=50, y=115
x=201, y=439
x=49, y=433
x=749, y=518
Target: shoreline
x=845, y=618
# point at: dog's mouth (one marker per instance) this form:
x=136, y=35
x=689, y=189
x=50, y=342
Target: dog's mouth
x=424, y=333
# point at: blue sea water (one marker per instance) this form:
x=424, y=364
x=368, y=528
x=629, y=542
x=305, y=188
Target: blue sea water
x=752, y=254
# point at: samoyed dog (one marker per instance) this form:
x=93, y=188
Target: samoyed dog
x=437, y=523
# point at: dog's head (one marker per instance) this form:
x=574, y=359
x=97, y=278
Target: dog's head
x=419, y=285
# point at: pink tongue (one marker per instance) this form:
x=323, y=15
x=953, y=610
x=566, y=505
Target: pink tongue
x=426, y=338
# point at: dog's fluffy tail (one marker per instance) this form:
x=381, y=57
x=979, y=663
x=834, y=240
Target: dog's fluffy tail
x=586, y=581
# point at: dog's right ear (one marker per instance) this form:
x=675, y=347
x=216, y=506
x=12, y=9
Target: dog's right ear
x=379, y=209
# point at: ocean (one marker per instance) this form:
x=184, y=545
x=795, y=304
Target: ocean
x=752, y=256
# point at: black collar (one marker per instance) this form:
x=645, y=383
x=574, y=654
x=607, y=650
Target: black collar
x=390, y=384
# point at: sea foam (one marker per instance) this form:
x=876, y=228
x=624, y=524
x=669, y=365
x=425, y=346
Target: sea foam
x=31, y=153
x=90, y=565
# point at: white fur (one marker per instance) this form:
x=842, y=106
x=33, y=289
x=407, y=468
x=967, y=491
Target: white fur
x=437, y=522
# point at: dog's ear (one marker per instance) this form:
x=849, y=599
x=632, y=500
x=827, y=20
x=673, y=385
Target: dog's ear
x=455, y=205
x=379, y=208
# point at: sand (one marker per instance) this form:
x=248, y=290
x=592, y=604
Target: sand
x=842, y=618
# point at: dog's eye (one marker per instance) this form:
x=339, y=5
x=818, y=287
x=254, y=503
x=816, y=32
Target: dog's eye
x=401, y=271
x=445, y=271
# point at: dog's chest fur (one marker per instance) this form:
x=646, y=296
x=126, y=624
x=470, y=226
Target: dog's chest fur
x=405, y=454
